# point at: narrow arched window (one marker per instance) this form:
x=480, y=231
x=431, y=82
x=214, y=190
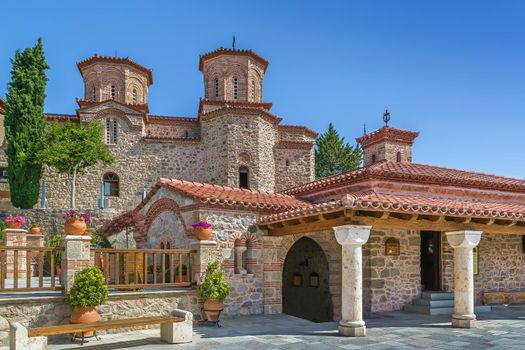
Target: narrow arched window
x=216, y=87
x=94, y=94
x=235, y=88
x=134, y=96
x=113, y=92
x=244, y=177
x=398, y=156
x=287, y=162
x=253, y=91
x=373, y=158
x=111, y=131
x=111, y=184
x=187, y=134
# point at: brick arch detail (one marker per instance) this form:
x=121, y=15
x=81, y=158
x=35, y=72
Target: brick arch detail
x=332, y=251
x=159, y=207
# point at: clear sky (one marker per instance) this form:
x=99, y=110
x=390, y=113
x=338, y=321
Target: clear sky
x=453, y=70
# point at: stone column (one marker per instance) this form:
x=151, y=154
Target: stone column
x=76, y=256
x=272, y=276
x=352, y=238
x=16, y=237
x=463, y=243
x=205, y=253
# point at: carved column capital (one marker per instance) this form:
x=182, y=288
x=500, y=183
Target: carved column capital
x=352, y=234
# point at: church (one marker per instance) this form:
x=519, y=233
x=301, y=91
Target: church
x=390, y=235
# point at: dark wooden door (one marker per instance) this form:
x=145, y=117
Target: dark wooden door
x=431, y=260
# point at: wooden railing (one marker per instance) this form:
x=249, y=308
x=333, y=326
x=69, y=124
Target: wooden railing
x=135, y=269
x=28, y=269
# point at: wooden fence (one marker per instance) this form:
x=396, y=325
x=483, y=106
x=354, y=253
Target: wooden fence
x=29, y=268
x=134, y=269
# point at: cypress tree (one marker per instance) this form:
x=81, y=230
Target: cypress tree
x=333, y=155
x=24, y=124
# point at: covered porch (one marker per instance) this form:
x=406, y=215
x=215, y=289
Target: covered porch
x=352, y=219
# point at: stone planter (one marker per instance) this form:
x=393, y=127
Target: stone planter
x=202, y=233
x=75, y=227
x=84, y=315
x=212, y=309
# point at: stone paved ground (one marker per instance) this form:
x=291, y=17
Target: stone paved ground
x=503, y=328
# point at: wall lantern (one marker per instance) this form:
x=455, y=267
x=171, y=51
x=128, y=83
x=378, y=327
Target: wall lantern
x=314, y=279
x=297, y=280
x=392, y=247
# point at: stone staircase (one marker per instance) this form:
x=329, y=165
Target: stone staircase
x=438, y=303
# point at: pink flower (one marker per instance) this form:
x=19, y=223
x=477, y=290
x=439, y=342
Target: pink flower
x=203, y=224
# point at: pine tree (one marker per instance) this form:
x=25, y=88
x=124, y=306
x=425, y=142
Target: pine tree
x=24, y=124
x=333, y=155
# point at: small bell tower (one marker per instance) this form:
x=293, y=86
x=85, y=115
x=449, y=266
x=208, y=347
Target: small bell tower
x=387, y=143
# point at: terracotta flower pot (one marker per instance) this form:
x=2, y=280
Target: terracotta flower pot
x=74, y=226
x=84, y=315
x=202, y=233
x=212, y=309
x=35, y=230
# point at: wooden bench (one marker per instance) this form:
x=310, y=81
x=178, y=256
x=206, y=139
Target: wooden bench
x=174, y=329
x=515, y=297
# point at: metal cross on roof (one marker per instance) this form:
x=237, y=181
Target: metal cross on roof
x=233, y=42
x=386, y=117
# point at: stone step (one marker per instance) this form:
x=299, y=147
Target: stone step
x=422, y=309
x=434, y=303
x=430, y=295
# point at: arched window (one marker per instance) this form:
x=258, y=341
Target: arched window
x=111, y=184
x=243, y=177
x=134, y=96
x=235, y=88
x=113, y=92
x=253, y=91
x=94, y=93
x=216, y=87
x=398, y=156
x=373, y=158
x=287, y=162
x=186, y=134
x=111, y=131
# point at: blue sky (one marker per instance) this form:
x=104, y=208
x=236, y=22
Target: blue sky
x=453, y=70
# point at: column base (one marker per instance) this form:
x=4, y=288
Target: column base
x=463, y=323
x=347, y=330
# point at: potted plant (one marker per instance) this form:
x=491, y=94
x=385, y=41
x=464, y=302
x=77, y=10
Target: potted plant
x=55, y=242
x=89, y=290
x=35, y=229
x=202, y=230
x=76, y=222
x=214, y=289
x=15, y=221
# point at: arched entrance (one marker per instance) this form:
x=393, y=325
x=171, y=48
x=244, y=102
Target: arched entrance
x=306, y=292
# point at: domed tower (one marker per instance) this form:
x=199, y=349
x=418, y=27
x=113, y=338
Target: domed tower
x=233, y=75
x=113, y=78
x=237, y=129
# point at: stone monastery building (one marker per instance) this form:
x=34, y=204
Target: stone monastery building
x=379, y=238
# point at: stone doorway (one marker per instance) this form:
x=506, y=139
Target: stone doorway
x=431, y=260
x=306, y=292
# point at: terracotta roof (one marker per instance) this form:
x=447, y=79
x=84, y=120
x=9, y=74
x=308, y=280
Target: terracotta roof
x=61, y=117
x=388, y=133
x=122, y=60
x=224, y=51
x=299, y=129
x=414, y=173
x=225, y=196
x=227, y=107
x=203, y=101
x=164, y=119
x=412, y=203
x=140, y=108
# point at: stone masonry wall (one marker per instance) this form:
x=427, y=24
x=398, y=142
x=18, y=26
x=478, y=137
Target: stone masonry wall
x=293, y=167
x=388, y=151
x=389, y=282
x=501, y=265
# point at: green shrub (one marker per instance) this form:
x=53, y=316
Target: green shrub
x=214, y=285
x=89, y=288
x=55, y=242
x=3, y=225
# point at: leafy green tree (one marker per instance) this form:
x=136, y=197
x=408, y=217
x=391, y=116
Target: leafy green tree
x=24, y=124
x=71, y=148
x=333, y=155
